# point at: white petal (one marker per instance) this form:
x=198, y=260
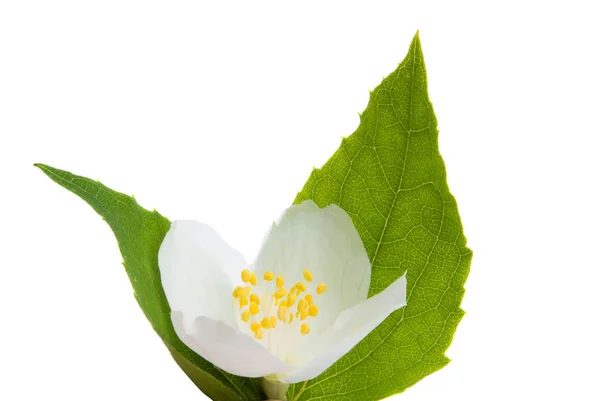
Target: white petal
x=227, y=348
x=350, y=328
x=326, y=242
x=196, y=269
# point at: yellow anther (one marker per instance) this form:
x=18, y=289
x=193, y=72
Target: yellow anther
x=254, y=308
x=291, y=299
x=307, y=275
x=243, y=301
x=282, y=313
x=245, y=275
x=302, y=304
x=236, y=292
x=313, y=310
x=321, y=288
x=254, y=326
x=252, y=279
x=244, y=292
x=291, y=318
x=303, y=314
x=266, y=323
x=269, y=276
x=301, y=286
x=246, y=315
x=273, y=322
x=279, y=282
x=280, y=293
x=304, y=329
x=308, y=298
x=254, y=298
x=259, y=333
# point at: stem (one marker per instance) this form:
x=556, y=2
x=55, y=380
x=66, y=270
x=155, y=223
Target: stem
x=274, y=390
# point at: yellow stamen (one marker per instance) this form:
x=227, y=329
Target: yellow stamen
x=303, y=314
x=252, y=279
x=246, y=315
x=280, y=293
x=291, y=299
x=243, y=302
x=259, y=334
x=254, y=298
x=254, y=326
x=307, y=275
x=236, y=292
x=245, y=275
x=244, y=292
x=321, y=288
x=302, y=304
x=291, y=318
x=266, y=323
x=273, y=322
x=301, y=286
x=313, y=310
x=282, y=313
x=304, y=329
x=269, y=276
x=308, y=298
x=279, y=282
x=254, y=308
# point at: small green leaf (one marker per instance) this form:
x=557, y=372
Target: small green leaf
x=139, y=233
x=390, y=178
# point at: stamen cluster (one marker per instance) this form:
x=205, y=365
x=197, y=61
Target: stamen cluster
x=281, y=299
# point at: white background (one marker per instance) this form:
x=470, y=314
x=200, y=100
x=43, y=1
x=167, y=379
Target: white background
x=218, y=112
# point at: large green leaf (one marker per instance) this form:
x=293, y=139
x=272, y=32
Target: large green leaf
x=139, y=233
x=390, y=178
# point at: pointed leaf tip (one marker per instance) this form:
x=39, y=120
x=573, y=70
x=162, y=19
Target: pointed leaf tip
x=139, y=234
x=415, y=45
x=397, y=133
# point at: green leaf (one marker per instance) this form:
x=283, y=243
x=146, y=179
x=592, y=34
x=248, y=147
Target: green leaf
x=390, y=178
x=139, y=233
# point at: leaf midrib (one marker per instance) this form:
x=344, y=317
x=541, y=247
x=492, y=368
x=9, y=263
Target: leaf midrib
x=401, y=180
x=376, y=253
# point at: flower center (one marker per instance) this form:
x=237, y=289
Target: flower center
x=276, y=302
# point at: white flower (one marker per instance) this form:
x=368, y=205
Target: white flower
x=294, y=312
